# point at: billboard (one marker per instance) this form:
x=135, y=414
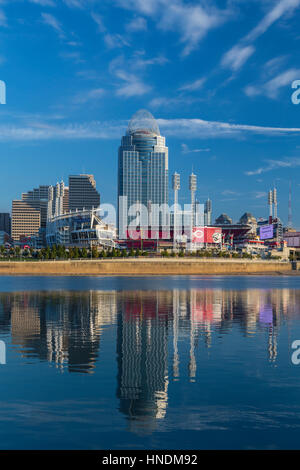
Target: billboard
x=213, y=235
x=207, y=235
x=266, y=232
x=198, y=234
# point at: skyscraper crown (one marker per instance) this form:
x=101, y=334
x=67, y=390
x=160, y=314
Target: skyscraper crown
x=143, y=122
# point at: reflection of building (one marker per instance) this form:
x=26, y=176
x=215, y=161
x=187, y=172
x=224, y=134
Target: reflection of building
x=67, y=329
x=63, y=328
x=142, y=358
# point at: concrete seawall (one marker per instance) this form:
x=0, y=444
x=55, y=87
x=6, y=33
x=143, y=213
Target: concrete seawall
x=140, y=267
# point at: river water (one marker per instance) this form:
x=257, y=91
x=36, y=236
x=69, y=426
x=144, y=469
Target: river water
x=193, y=362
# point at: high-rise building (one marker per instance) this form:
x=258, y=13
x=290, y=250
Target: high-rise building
x=83, y=193
x=38, y=199
x=29, y=215
x=142, y=167
x=207, y=212
x=5, y=223
x=26, y=221
x=58, y=200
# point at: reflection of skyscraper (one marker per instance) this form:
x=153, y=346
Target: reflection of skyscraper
x=143, y=166
x=63, y=328
x=142, y=363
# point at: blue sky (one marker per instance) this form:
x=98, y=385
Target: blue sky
x=216, y=74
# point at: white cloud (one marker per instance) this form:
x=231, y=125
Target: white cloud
x=275, y=165
x=200, y=128
x=259, y=194
x=236, y=57
x=99, y=21
x=128, y=71
x=192, y=22
x=90, y=95
x=74, y=56
x=281, y=8
x=179, y=128
x=44, y=3
x=185, y=149
x=136, y=25
x=196, y=85
x=115, y=40
x=111, y=40
x=133, y=87
x=53, y=22
x=75, y=3
x=3, y=21
x=272, y=87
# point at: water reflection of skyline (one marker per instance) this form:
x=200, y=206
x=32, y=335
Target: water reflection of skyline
x=157, y=334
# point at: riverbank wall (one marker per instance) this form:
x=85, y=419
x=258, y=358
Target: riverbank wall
x=141, y=267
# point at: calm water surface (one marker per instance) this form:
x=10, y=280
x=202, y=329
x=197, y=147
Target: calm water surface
x=157, y=362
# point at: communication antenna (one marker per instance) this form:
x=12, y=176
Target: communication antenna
x=290, y=223
x=270, y=203
x=176, y=188
x=275, y=202
x=193, y=188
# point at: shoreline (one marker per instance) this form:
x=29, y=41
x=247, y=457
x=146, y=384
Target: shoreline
x=147, y=267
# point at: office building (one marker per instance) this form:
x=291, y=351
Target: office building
x=208, y=212
x=38, y=199
x=26, y=220
x=142, y=168
x=83, y=194
x=58, y=200
x=5, y=223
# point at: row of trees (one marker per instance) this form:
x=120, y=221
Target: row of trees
x=61, y=252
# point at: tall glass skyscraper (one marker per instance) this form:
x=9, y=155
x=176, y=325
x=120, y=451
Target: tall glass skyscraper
x=143, y=167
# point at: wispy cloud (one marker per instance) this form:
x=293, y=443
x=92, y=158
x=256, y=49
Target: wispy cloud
x=111, y=40
x=238, y=55
x=90, y=95
x=275, y=165
x=129, y=72
x=74, y=56
x=259, y=194
x=179, y=128
x=75, y=3
x=281, y=8
x=44, y=3
x=50, y=20
x=185, y=149
x=3, y=20
x=193, y=86
x=272, y=87
x=229, y=192
x=137, y=25
x=199, y=128
x=191, y=21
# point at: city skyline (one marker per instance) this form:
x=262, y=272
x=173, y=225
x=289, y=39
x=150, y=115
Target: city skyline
x=222, y=100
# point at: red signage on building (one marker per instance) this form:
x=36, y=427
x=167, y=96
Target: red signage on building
x=207, y=235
